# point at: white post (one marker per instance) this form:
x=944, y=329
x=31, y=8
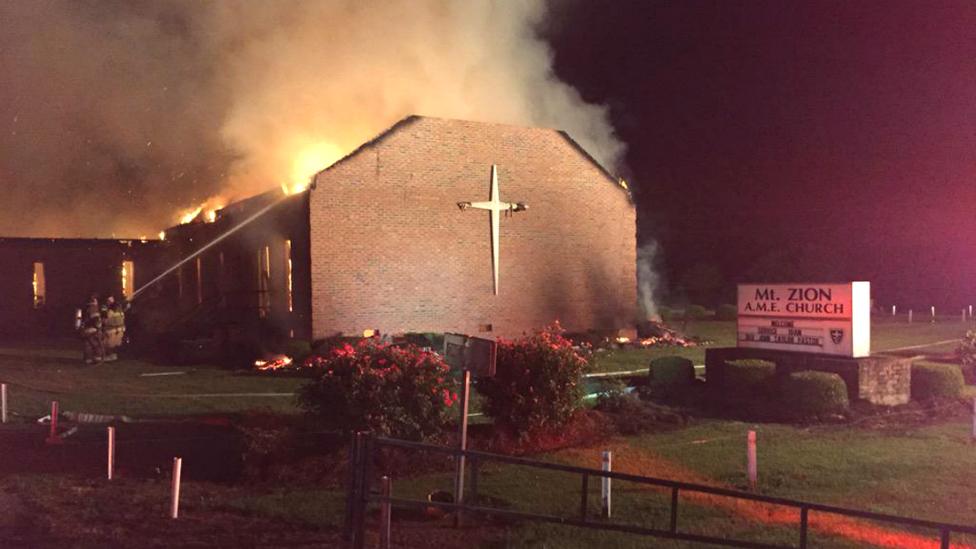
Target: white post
x=605, y=496
x=3, y=403
x=970, y=311
x=894, y=310
x=933, y=313
x=386, y=490
x=111, y=452
x=752, y=468
x=174, y=504
x=909, y=316
x=463, y=443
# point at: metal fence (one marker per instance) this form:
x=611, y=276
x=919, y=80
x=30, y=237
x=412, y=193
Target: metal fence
x=361, y=494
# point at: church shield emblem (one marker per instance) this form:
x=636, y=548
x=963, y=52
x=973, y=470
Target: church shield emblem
x=836, y=335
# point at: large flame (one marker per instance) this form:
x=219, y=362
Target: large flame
x=208, y=208
x=310, y=160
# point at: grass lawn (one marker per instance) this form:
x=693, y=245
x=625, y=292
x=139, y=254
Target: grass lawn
x=922, y=473
x=38, y=375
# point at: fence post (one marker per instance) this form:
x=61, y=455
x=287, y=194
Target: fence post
x=355, y=456
x=386, y=512
x=933, y=313
x=605, y=494
x=53, y=437
x=174, y=502
x=894, y=310
x=804, y=520
x=473, y=492
x=3, y=403
x=362, y=495
x=674, y=510
x=111, y=452
x=751, y=465
x=909, y=316
x=584, y=496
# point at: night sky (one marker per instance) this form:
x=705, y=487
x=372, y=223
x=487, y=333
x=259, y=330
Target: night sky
x=815, y=141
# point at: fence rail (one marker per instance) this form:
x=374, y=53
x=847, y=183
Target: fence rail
x=360, y=495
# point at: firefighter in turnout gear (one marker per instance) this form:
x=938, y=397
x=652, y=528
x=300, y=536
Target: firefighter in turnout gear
x=113, y=326
x=91, y=332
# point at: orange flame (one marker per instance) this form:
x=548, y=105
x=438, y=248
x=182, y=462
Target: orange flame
x=276, y=363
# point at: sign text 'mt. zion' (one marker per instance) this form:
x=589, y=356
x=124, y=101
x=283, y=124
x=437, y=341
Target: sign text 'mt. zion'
x=813, y=318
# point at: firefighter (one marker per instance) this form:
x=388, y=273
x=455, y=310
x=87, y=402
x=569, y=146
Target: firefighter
x=91, y=332
x=114, y=328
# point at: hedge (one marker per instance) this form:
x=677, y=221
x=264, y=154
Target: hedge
x=932, y=381
x=726, y=312
x=671, y=371
x=810, y=394
x=748, y=374
x=695, y=312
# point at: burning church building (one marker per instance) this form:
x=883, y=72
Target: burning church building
x=435, y=225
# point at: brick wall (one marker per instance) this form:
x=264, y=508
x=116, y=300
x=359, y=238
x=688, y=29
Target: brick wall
x=391, y=250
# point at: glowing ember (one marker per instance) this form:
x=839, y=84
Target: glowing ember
x=211, y=216
x=276, y=363
x=622, y=339
x=162, y=235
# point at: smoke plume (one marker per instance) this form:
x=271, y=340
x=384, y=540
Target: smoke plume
x=119, y=114
x=647, y=280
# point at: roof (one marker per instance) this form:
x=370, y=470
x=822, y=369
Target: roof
x=262, y=199
x=416, y=117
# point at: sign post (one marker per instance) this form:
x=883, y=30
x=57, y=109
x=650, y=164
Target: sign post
x=467, y=354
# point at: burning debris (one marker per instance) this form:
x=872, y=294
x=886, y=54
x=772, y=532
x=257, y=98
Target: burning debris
x=277, y=362
x=655, y=334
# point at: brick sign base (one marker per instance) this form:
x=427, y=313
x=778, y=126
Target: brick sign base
x=881, y=380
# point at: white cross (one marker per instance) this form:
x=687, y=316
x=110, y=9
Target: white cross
x=494, y=206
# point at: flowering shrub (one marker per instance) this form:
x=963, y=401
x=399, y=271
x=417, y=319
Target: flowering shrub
x=402, y=392
x=537, y=384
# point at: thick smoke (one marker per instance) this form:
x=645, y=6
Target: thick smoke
x=120, y=113
x=648, y=281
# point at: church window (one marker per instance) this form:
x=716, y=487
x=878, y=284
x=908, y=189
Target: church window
x=128, y=278
x=39, y=285
x=264, y=280
x=288, y=275
x=199, y=280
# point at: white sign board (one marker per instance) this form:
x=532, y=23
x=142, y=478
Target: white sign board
x=832, y=319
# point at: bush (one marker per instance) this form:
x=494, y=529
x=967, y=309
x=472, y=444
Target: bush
x=537, y=384
x=727, y=312
x=745, y=378
x=813, y=394
x=671, y=371
x=695, y=312
x=967, y=356
x=933, y=381
x=666, y=313
x=402, y=392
